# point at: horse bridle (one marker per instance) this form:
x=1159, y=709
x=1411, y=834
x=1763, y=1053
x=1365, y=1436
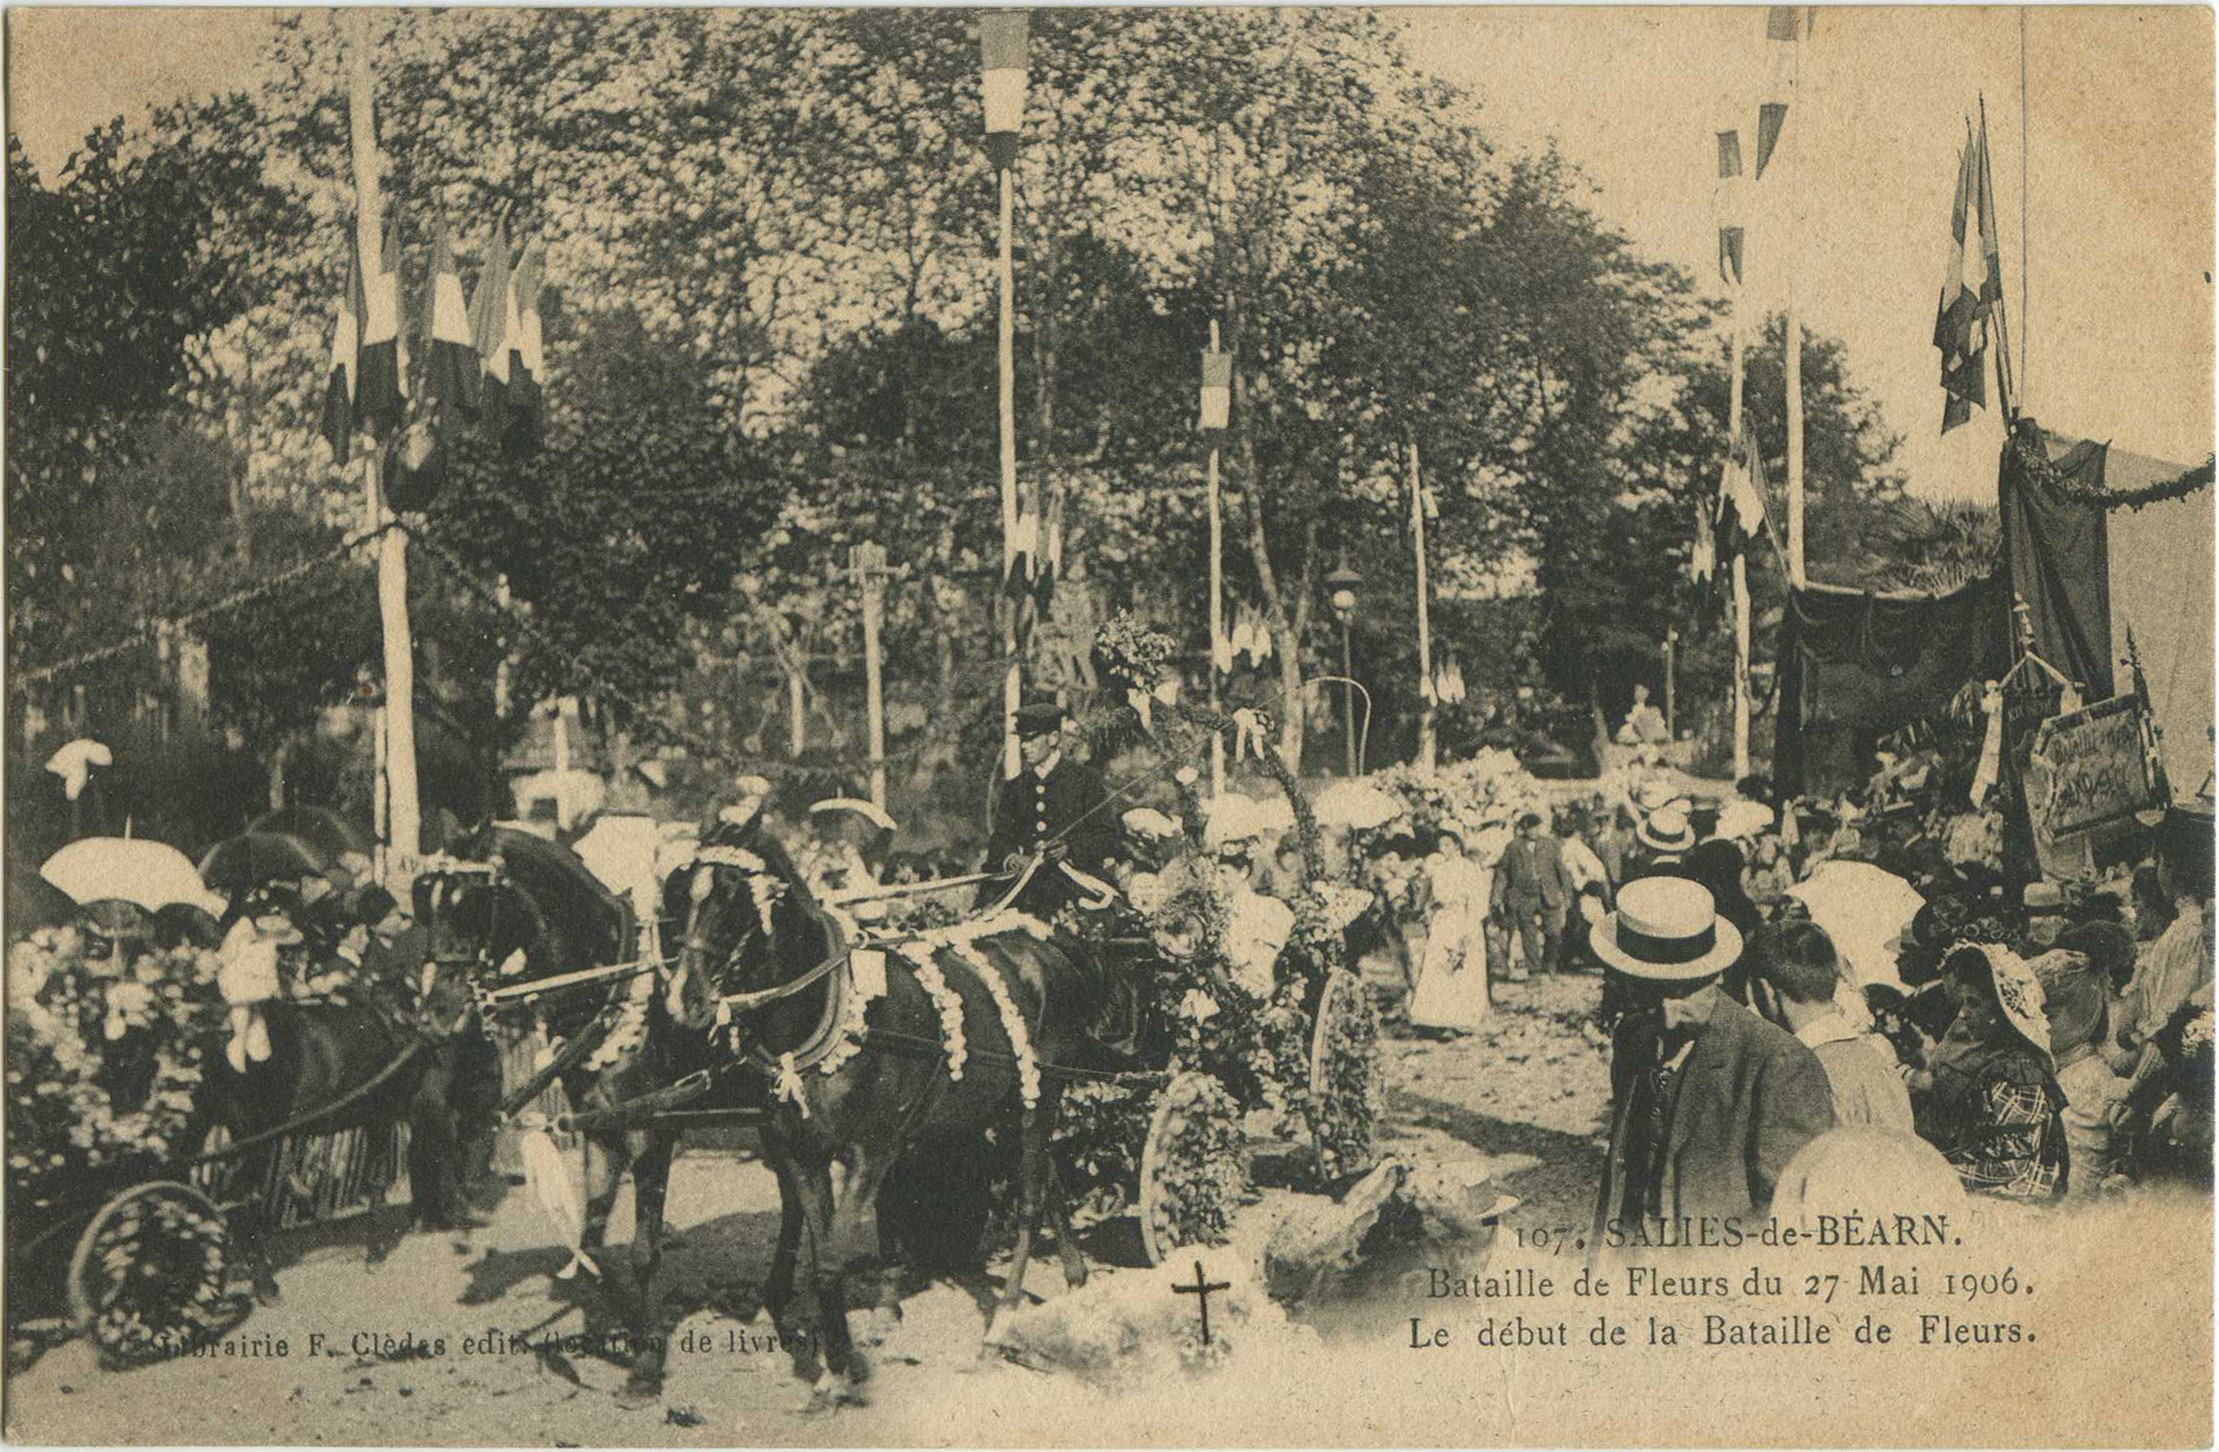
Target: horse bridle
x=701, y=888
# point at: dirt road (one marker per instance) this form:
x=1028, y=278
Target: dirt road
x=424, y=1349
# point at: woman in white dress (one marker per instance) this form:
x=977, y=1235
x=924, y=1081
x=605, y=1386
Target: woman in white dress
x=1452, y=985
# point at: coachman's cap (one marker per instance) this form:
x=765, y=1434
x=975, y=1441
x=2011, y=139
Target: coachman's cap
x=1667, y=930
x=1039, y=717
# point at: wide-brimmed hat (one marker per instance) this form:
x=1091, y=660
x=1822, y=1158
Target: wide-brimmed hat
x=1666, y=930
x=1038, y=718
x=1742, y=821
x=1665, y=830
x=2018, y=992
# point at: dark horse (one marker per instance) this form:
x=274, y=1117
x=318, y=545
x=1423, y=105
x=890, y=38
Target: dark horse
x=756, y=938
x=366, y=1065
x=514, y=893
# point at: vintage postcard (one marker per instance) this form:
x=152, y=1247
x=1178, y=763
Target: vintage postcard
x=1085, y=726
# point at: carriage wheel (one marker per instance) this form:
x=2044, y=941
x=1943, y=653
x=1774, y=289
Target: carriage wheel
x=147, y=1279
x=1344, y=1077
x=1190, y=1168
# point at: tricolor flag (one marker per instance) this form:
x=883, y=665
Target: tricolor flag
x=1726, y=522
x=1728, y=201
x=1784, y=26
x=381, y=391
x=490, y=309
x=451, y=371
x=527, y=363
x=346, y=343
x=1972, y=284
x=1741, y=493
x=1003, y=37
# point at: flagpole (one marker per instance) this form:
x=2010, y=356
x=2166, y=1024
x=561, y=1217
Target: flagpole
x=1012, y=684
x=399, y=764
x=1426, y=744
x=2024, y=322
x=1792, y=339
x=1217, y=594
x=1741, y=556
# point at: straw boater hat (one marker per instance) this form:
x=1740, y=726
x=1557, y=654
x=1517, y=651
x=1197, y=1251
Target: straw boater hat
x=2018, y=991
x=1666, y=830
x=1667, y=930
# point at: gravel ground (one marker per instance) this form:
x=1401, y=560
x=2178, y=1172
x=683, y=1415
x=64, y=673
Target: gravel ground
x=1528, y=1093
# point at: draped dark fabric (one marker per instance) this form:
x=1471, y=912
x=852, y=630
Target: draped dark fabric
x=2060, y=560
x=1856, y=666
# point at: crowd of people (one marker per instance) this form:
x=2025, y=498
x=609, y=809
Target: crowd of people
x=1765, y=979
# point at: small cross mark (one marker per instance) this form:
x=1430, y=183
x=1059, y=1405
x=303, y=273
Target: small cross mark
x=1201, y=1290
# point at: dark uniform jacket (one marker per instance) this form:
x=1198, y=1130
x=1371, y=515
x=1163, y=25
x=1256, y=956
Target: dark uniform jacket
x=1068, y=805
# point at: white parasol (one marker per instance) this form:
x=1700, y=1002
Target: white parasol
x=1234, y=817
x=1357, y=805
x=1866, y=910
x=151, y=874
x=1148, y=822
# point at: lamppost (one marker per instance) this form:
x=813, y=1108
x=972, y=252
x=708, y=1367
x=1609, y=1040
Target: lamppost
x=1003, y=37
x=1343, y=582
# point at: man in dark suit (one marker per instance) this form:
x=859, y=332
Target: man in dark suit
x=1709, y=1102
x=1532, y=891
x=1053, y=803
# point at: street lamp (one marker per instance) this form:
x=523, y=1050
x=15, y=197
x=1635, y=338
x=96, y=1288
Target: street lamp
x=1003, y=37
x=1343, y=584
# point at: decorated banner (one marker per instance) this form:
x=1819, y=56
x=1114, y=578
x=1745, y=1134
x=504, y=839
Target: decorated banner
x=2094, y=767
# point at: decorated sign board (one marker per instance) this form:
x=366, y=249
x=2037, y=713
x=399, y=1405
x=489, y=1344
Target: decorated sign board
x=2095, y=767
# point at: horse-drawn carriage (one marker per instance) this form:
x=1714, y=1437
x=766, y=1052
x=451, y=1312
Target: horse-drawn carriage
x=925, y=1061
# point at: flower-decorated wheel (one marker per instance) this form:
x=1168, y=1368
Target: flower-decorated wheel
x=1345, y=1082
x=1190, y=1167
x=147, y=1279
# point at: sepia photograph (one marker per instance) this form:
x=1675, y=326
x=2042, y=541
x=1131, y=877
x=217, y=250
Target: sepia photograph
x=1157, y=726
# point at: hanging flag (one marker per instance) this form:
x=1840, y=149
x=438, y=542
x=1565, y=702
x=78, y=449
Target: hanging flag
x=1741, y=503
x=1003, y=39
x=1972, y=285
x=527, y=407
x=490, y=308
x=1051, y=551
x=1703, y=562
x=451, y=372
x=346, y=343
x=1729, y=202
x=1783, y=27
x=381, y=383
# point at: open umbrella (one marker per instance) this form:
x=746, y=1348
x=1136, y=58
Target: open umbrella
x=1234, y=817
x=1356, y=804
x=134, y=869
x=253, y=858
x=320, y=829
x=1866, y=910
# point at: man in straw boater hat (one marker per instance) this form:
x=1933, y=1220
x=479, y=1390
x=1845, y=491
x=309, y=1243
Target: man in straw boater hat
x=1708, y=1101
x=1053, y=805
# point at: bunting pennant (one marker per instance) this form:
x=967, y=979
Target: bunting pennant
x=491, y=307
x=1783, y=28
x=1003, y=39
x=1729, y=201
x=1741, y=499
x=381, y=375
x=1972, y=284
x=346, y=344
x=451, y=372
x=527, y=405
